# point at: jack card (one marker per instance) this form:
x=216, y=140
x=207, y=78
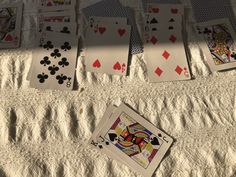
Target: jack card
x=54, y=62
x=134, y=140
x=218, y=43
x=10, y=25
x=112, y=38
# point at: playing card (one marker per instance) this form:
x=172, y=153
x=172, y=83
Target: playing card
x=154, y=22
x=146, y=2
x=64, y=16
x=166, y=57
x=66, y=28
x=218, y=43
x=95, y=21
x=54, y=62
x=165, y=9
x=10, y=25
x=134, y=140
x=113, y=8
x=50, y=5
x=112, y=38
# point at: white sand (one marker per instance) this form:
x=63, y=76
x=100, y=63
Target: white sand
x=45, y=133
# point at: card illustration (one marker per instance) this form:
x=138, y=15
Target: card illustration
x=220, y=43
x=10, y=25
x=134, y=140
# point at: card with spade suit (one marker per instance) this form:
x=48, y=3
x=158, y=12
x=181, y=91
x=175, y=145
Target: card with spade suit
x=217, y=40
x=138, y=143
x=54, y=62
x=107, y=49
x=10, y=25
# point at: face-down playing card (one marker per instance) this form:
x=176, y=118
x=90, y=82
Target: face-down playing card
x=107, y=49
x=10, y=25
x=134, y=140
x=54, y=62
x=218, y=43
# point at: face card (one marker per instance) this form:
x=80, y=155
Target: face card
x=136, y=141
x=114, y=8
x=50, y=5
x=166, y=57
x=219, y=46
x=10, y=25
x=54, y=62
x=112, y=38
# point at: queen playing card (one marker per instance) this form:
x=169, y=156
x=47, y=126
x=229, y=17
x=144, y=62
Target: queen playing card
x=54, y=62
x=10, y=25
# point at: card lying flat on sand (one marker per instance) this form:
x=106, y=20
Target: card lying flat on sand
x=10, y=25
x=54, y=62
x=218, y=43
x=129, y=138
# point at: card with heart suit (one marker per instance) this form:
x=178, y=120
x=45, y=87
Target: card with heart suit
x=134, y=140
x=50, y=5
x=218, y=43
x=166, y=57
x=54, y=62
x=10, y=25
x=166, y=9
x=113, y=8
x=95, y=21
x=112, y=38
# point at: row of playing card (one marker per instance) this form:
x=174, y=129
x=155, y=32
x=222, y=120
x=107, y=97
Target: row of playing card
x=164, y=43
x=55, y=54
x=125, y=136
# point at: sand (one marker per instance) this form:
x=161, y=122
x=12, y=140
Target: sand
x=45, y=133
